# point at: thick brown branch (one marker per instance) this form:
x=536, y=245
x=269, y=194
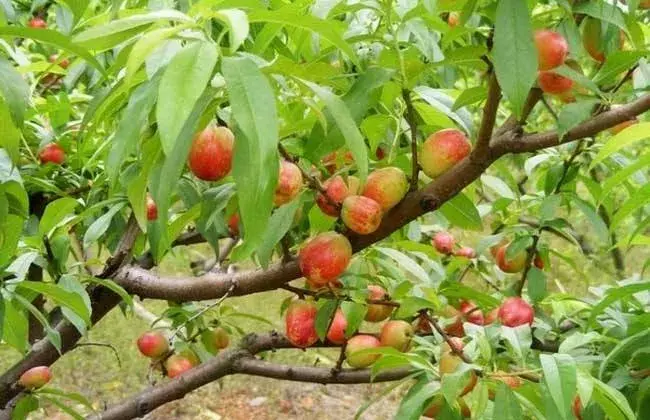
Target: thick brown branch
x=489, y=116
x=413, y=127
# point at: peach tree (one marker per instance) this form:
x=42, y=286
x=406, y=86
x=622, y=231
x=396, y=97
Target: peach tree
x=454, y=192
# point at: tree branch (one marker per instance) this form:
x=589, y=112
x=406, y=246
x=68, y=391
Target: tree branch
x=413, y=127
x=489, y=116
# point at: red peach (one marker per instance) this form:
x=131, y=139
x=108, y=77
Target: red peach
x=153, y=344
x=514, y=265
x=397, y=334
x=35, y=377
x=538, y=262
x=37, y=22
x=336, y=190
x=387, y=186
x=336, y=333
x=325, y=257
x=442, y=150
x=289, y=183
x=300, y=323
x=63, y=63
x=152, y=209
x=553, y=83
x=444, y=242
x=361, y=214
x=552, y=49
x=377, y=312
x=466, y=252
x=190, y=355
x=358, y=343
x=471, y=313
x=380, y=153
x=455, y=328
x=210, y=157
x=233, y=224
x=515, y=311
x=52, y=153
x=176, y=365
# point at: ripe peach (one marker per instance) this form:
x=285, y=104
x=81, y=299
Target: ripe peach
x=515, y=311
x=153, y=344
x=37, y=22
x=336, y=333
x=453, y=19
x=397, y=334
x=593, y=39
x=473, y=315
x=358, y=343
x=215, y=339
x=289, y=183
x=233, y=224
x=176, y=365
x=444, y=242
x=361, y=214
x=52, y=153
x=442, y=150
x=325, y=257
x=380, y=153
x=35, y=377
x=210, y=157
x=553, y=83
x=422, y=325
x=190, y=355
x=377, y=312
x=513, y=265
x=552, y=49
x=299, y=323
x=455, y=328
x=336, y=190
x=466, y=252
x=152, y=209
x=538, y=262
x=387, y=186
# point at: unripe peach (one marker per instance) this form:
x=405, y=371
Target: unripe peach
x=361, y=214
x=622, y=126
x=300, y=323
x=397, y=334
x=215, y=339
x=442, y=150
x=325, y=257
x=336, y=190
x=358, y=343
x=52, y=153
x=176, y=365
x=513, y=382
x=444, y=242
x=153, y=344
x=466, y=252
x=35, y=377
x=233, y=224
x=515, y=311
x=512, y=265
x=471, y=313
x=210, y=157
x=553, y=83
x=456, y=342
x=37, y=22
x=336, y=333
x=377, y=312
x=453, y=19
x=289, y=183
x=449, y=363
x=152, y=209
x=387, y=186
x=593, y=39
x=190, y=355
x=552, y=49
x=438, y=402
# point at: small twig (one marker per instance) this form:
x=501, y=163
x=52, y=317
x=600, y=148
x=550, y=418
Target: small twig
x=110, y=346
x=225, y=252
x=201, y=312
x=411, y=121
x=51, y=83
x=339, y=362
x=625, y=78
x=286, y=249
x=452, y=346
x=550, y=109
x=122, y=254
x=489, y=114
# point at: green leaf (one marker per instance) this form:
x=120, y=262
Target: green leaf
x=498, y=186
x=181, y=87
x=573, y=114
x=416, y=399
x=104, y=37
x=14, y=332
x=60, y=296
x=100, y=226
x=9, y=133
x=444, y=103
x=345, y=122
x=603, y=11
x=11, y=229
x=53, y=335
x=622, y=353
x=354, y=314
x=614, y=295
x=134, y=120
x=55, y=38
x=577, y=77
x=612, y=401
x=638, y=199
x=237, y=22
x=461, y=291
x=116, y=288
x=279, y=224
x=536, y=284
x=560, y=378
x=25, y=405
x=14, y=90
x=324, y=317
x=614, y=182
x=77, y=7
x=55, y=213
x=71, y=284
x=256, y=163
x=461, y=212
x=617, y=62
x=407, y=263
x=515, y=55
x=326, y=29
x=623, y=139
x=506, y=405
x=470, y=96
x=136, y=190
x=145, y=46
x=597, y=223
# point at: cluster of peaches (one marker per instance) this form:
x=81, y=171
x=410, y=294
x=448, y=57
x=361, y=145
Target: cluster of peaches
x=155, y=345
